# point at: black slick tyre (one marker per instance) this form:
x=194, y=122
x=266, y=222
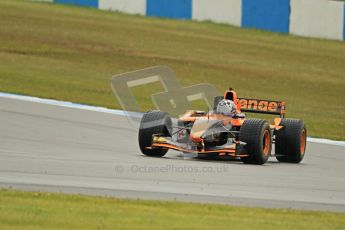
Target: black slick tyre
x=291, y=141
x=153, y=122
x=257, y=136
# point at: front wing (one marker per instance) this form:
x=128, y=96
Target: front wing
x=229, y=149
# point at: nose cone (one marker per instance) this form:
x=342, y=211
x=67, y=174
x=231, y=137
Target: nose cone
x=200, y=127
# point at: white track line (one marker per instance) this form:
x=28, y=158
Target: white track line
x=120, y=112
x=68, y=104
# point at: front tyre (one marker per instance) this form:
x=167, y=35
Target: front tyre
x=154, y=122
x=257, y=136
x=291, y=141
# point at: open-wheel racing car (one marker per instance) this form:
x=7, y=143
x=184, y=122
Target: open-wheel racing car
x=226, y=132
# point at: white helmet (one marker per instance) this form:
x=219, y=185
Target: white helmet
x=226, y=107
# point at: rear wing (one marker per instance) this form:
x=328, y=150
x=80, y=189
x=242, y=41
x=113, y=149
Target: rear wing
x=253, y=105
x=262, y=106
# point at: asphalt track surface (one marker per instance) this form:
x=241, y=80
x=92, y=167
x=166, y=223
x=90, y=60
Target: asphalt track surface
x=51, y=148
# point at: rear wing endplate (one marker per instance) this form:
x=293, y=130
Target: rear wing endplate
x=262, y=106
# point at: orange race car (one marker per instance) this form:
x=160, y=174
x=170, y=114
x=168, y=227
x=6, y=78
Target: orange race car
x=226, y=132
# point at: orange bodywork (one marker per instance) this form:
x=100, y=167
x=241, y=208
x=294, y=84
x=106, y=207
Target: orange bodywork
x=261, y=106
x=199, y=129
x=202, y=121
x=189, y=116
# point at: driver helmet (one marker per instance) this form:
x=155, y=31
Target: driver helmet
x=226, y=107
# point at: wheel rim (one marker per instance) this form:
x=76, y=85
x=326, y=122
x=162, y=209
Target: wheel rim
x=303, y=141
x=266, y=142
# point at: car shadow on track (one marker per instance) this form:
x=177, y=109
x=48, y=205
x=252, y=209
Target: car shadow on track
x=208, y=159
x=174, y=155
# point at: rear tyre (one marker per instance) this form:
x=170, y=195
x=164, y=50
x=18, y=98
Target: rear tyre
x=256, y=133
x=154, y=122
x=291, y=141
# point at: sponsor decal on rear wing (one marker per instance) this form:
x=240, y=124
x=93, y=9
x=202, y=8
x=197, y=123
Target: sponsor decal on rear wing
x=262, y=106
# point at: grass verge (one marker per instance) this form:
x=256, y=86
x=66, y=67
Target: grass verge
x=32, y=210
x=70, y=53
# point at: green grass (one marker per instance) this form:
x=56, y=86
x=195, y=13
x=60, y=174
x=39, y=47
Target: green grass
x=70, y=53
x=31, y=210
